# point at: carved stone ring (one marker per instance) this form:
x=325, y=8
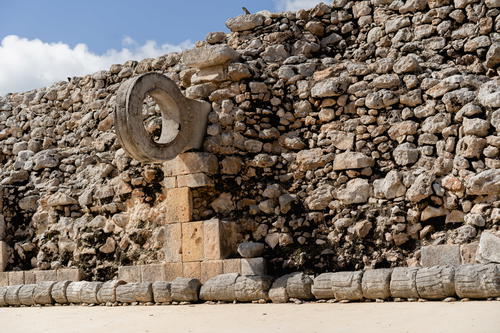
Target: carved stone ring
x=190, y=115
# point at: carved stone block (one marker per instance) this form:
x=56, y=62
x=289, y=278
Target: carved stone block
x=404, y=282
x=436, y=282
x=478, y=281
x=376, y=283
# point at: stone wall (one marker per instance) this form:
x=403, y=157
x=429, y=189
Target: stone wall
x=344, y=137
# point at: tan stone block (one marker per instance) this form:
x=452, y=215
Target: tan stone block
x=191, y=162
x=49, y=275
x=69, y=274
x=211, y=268
x=231, y=265
x=173, y=270
x=217, y=239
x=4, y=279
x=129, y=273
x=153, y=273
x=29, y=277
x=194, y=180
x=192, y=269
x=468, y=253
x=16, y=277
x=253, y=266
x=173, y=242
x=192, y=241
x=177, y=206
x=4, y=255
x=169, y=182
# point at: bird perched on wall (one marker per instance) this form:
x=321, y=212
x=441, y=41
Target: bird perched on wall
x=246, y=10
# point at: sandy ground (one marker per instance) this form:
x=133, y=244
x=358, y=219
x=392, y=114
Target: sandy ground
x=428, y=317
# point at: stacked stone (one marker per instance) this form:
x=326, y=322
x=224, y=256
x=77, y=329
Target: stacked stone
x=348, y=135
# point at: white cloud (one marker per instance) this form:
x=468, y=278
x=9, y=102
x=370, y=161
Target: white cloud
x=294, y=5
x=28, y=64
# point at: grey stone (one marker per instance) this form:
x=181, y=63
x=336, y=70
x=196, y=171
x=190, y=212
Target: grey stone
x=162, y=292
x=277, y=292
x=322, y=286
x=381, y=99
x=74, y=291
x=250, y=249
x=253, y=266
x=421, y=187
x=484, y=183
x=12, y=295
x=89, y=292
x=42, y=292
x=320, y=197
x=3, y=291
x=299, y=285
x=347, y=285
x=475, y=126
x=489, y=248
x=58, y=292
x=404, y=282
x=357, y=190
x=440, y=255
x=245, y=22
x=376, y=283
x=125, y=293
x=330, y=87
x=437, y=282
x=185, y=289
x=219, y=288
x=209, y=56
x=489, y=94
x=252, y=288
x=493, y=55
x=405, y=154
x=352, y=160
x=390, y=186
x=25, y=294
x=477, y=281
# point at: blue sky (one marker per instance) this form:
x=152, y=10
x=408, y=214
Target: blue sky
x=43, y=41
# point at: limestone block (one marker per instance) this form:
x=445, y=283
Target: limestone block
x=192, y=241
x=477, y=281
x=253, y=266
x=153, y=272
x=29, y=277
x=69, y=274
x=252, y=288
x=173, y=270
x=208, y=56
x=436, y=282
x=219, y=288
x=277, y=292
x=4, y=279
x=177, y=206
x=3, y=291
x=218, y=239
x=107, y=292
x=435, y=255
x=12, y=295
x=134, y=292
x=162, y=292
x=347, y=285
x=190, y=163
x=125, y=293
x=143, y=292
x=129, y=273
x=468, y=253
x=74, y=291
x=489, y=248
x=376, y=283
x=89, y=292
x=173, y=242
x=299, y=285
x=58, y=292
x=191, y=269
x=250, y=249
x=185, y=289
x=16, y=278
x=42, y=292
x=231, y=265
x=322, y=286
x=210, y=268
x=404, y=282
x=26, y=294
x=194, y=180
x=48, y=275
x=4, y=255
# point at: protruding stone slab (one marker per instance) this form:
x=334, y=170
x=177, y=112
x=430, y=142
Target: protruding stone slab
x=12, y=295
x=26, y=294
x=404, y=282
x=162, y=292
x=42, y=293
x=440, y=255
x=250, y=249
x=245, y=22
x=478, y=281
x=347, y=285
x=218, y=239
x=219, y=288
x=208, y=56
x=376, y=283
x=252, y=288
x=352, y=160
x=185, y=289
x=74, y=291
x=489, y=248
x=436, y=282
x=107, y=292
x=89, y=292
x=58, y=292
x=191, y=163
x=322, y=286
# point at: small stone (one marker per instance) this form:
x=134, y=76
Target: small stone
x=489, y=248
x=330, y=87
x=250, y=249
x=245, y=22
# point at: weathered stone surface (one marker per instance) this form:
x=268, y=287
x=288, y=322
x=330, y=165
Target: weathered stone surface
x=177, y=206
x=42, y=293
x=277, y=292
x=404, y=282
x=161, y=292
x=153, y=272
x=250, y=249
x=218, y=239
x=134, y=292
x=405, y=154
x=330, y=87
x=440, y=255
x=211, y=268
x=12, y=295
x=192, y=241
x=347, y=285
x=352, y=160
x=252, y=288
x=245, y=22
x=25, y=294
x=3, y=291
x=253, y=266
x=389, y=187
x=89, y=292
x=436, y=282
x=107, y=292
x=191, y=163
x=173, y=242
x=299, y=285
x=421, y=187
x=219, y=288
x=4, y=255
x=71, y=274
x=16, y=278
x=58, y=292
x=129, y=273
x=322, y=286
x=208, y=56
x=192, y=270
x=74, y=291
x=185, y=289
x=485, y=182
x=376, y=283
x=477, y=281
x=356, y=191
x=49, y=275
x=489, y=248
x=489, y=94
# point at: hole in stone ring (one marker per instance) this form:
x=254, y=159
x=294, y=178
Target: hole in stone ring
x=158, y=123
